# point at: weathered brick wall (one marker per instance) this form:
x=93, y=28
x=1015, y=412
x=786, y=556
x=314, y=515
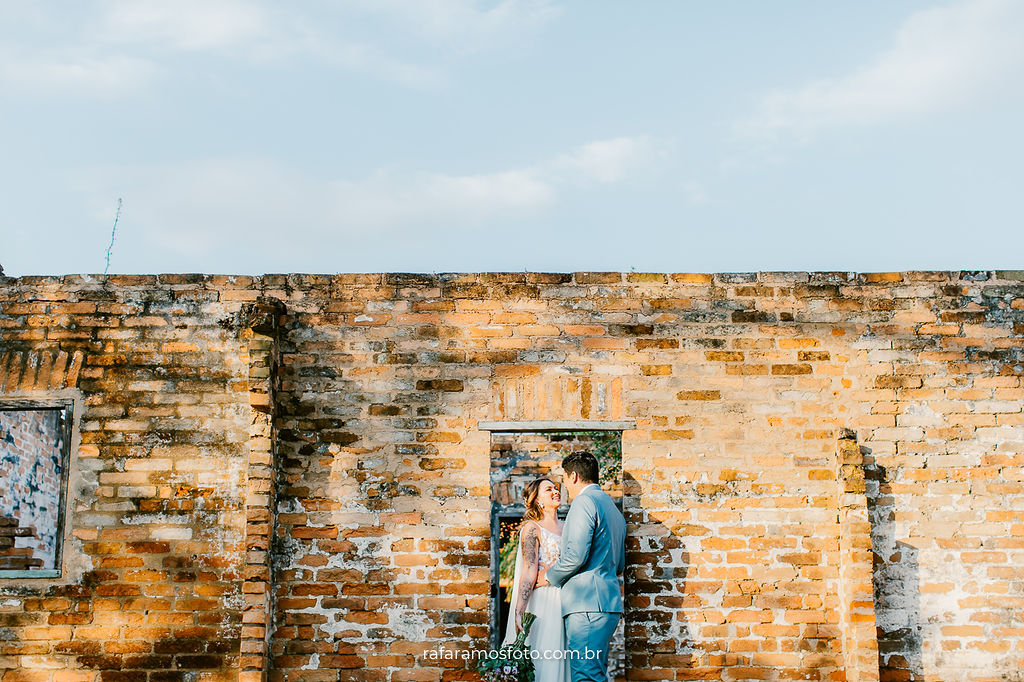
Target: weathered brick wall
x=158, y=509
x=30, y=473
x=746, y=510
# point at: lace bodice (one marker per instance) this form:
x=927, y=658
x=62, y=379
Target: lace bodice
x=550, y=546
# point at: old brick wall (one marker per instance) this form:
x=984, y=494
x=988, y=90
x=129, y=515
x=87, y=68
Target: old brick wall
x=158, y=508
x=746, y=504
x=30, y=479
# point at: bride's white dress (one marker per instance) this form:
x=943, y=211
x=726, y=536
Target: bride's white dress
x=547, y=635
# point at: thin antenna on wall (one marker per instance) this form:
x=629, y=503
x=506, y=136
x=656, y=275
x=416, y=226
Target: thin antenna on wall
x=113, y=235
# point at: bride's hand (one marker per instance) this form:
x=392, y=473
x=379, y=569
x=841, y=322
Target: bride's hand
x=542, y=575
x=519, y=621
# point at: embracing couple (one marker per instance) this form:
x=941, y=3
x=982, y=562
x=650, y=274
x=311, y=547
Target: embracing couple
x=566, y=574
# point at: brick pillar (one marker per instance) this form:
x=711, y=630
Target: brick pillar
x=857, y=606
x=260, y=329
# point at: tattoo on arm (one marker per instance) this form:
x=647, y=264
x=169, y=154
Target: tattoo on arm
x=530, y=547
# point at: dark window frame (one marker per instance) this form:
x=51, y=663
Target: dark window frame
x=67, y=408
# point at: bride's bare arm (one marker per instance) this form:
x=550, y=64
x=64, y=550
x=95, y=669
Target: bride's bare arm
x=529, y=540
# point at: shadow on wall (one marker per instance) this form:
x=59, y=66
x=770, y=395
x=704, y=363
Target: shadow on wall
x=172, y=659
x=661, y=641
x=896, y=581
x=657, y=563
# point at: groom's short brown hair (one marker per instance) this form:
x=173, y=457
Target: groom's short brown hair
x=584, y=464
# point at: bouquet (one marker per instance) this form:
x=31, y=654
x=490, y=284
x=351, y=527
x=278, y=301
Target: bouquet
x=512, y=662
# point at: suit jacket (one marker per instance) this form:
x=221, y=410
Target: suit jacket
x=593, y=554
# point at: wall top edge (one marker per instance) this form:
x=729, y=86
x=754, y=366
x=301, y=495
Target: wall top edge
x=583, y=277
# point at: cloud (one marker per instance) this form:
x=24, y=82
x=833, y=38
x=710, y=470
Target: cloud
x=109, y=46
x=941, y=57
x=387, y=200
x=202, y=206
x=463, y=25
x=250, y=31
x=185, y=24
x=75, y=71
x=606, y=160
x=366, y=58
x=694, y=192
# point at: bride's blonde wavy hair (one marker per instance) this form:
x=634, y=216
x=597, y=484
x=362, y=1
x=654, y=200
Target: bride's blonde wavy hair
x=534, y=512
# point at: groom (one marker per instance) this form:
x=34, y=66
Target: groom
x=593, y=553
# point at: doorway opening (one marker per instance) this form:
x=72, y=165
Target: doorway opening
x=518, y=457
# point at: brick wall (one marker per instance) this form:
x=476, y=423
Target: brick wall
x=751, y=508
x=30, y=478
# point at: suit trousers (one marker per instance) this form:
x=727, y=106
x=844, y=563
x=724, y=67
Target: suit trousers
x=588, y=633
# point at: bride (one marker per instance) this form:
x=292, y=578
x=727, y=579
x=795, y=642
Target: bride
x=539, y=539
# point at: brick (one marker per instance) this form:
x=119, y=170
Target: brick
x=785, y=369
x=699, y=395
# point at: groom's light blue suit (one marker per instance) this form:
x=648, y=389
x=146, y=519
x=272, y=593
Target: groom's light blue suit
x=593, y=554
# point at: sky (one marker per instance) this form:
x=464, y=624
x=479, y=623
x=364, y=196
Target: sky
x=249, y=137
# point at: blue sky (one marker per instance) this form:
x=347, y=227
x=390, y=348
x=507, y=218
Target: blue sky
x=509, y=135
